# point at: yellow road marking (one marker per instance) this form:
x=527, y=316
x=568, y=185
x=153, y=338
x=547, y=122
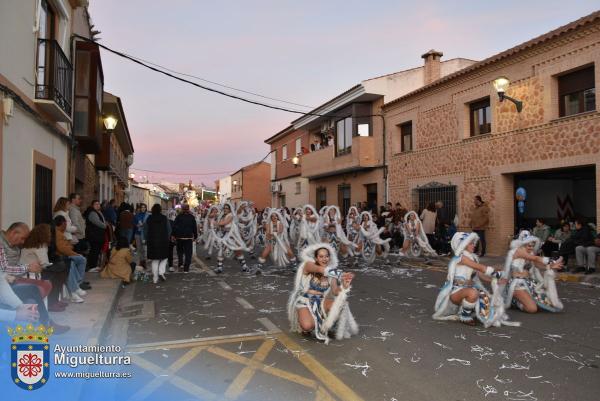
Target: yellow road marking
x=335, y=385
x=159, y=380
x=323, y=395
x=241, y=381
x=262, y=367
x=196, y=342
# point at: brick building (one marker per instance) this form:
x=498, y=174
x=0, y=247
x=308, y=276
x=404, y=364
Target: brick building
x=251, y=183
x=453, y=139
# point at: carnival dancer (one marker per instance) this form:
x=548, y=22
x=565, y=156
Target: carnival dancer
x=334, y=233
x=415, y=239
x=370, y=243
x=463, y=296
x=352, y=224
x=247, y=222
x=295, y=225
x=229, y=239
x=531, y=284
x=309, y=228
x=310, y=306
x=209, y=230
x=277, y=243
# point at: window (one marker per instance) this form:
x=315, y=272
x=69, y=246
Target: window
x=321, y=197
x=362, y=129
x=344, y=197
x=46, y=31
x=344, y=136
x=371, y=196
x=281, y=200
x=406, y=137
x=43, y=195
x=284, y=152
x=298, y=146
x=481, y=117
x=298, y=187
x=577, y=92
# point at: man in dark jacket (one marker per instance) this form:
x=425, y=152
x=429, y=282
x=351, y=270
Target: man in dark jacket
x=185, y=232
x=582, y=236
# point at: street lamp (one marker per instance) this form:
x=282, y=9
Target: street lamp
x=296, y=161
x=110, y=123
x=501, y=84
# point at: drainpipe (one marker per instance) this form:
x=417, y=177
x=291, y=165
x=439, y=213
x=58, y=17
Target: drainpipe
x=385, y=168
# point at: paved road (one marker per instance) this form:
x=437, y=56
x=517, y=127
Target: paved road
x=226, y=337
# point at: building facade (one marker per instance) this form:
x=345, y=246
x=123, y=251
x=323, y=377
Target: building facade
x=288, y=187
x=343, y=161
x=224, y=189
x=454, y=139
x=251, y=183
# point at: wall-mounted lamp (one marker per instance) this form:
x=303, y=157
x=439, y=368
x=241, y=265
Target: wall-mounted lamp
x=296, y=161
x=110, y=123
x=235, y=182
x=501, y=84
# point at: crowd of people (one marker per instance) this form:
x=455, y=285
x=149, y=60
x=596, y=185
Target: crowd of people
x=43, y=269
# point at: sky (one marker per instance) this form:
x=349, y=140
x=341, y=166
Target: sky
x=305, y=52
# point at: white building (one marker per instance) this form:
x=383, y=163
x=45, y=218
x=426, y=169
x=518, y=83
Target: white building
x=224, y=194
x=36, y=88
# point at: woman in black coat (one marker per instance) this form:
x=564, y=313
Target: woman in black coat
x=157, y=232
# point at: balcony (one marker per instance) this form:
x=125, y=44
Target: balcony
x=112, y=159
x=54, y=80
x=324, y=162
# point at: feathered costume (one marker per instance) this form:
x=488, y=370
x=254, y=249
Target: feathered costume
x=540, y=285
x=489, y=309
x=370, y=238
x=309, y=230
x=295, y=226
x=279, y=240
x=247, y=222
x=339, y=236
x=410, y=233
x=339, y=318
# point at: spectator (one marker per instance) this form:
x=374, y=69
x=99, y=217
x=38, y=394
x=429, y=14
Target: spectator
x=35, y=249
x=77, y=263
x=110, y=212
x=95, y=228
x=158, y=234
x=79, y=222
x=185, y=232
x=120, y=264
x=316, y=145
x=61, y=208
x=541, y=230
x=581, y=237
x=27, y=293
x=586, y=254
x=140, y=242
x=480, y=219
x=429, y=217
x=330, y=141
x=125, y=222
x=171, y=215
x=554, y=242
x=442, y=226
x=11, y=306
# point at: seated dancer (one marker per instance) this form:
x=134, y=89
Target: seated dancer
x=463, y=295
x=529, y=288
x=334, y=233
x=413, y=233
x=277, y=243
x=247, y=223
x=229, y=239
x=309, y=228
x=370, y=243
x=318, y=303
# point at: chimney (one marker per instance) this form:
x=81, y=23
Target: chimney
x=432, y=66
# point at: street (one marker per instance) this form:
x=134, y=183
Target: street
x=202, y=336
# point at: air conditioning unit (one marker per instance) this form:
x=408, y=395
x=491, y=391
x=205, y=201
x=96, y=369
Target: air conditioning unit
x=129, y=160
x=325, y=126
x=275, y=187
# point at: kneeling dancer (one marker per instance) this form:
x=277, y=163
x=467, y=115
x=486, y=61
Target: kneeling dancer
x=463, y=295
x=318, y=303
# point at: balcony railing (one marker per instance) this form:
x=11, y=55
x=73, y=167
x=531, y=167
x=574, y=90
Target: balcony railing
x=54, y=80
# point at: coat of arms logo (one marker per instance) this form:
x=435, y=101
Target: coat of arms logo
x=30, y=355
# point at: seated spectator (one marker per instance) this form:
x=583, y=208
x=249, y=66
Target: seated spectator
x=11, y=306
x=586, y=255
x=27, y=293
x=35, y=249
x=120, y=264
x=581, y=237
x=554, y=241
x=62, y=247
x=541, y=230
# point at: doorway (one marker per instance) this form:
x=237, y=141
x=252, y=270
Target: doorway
x=371, y=197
